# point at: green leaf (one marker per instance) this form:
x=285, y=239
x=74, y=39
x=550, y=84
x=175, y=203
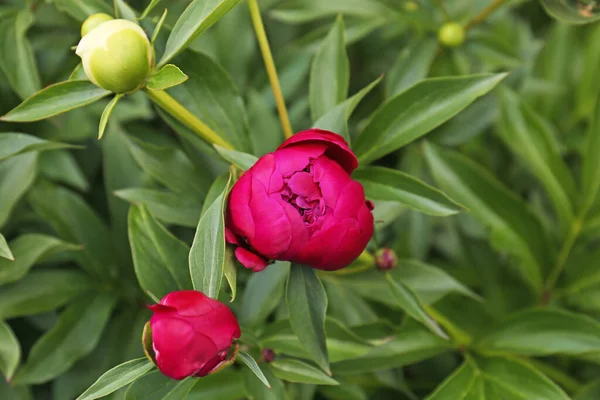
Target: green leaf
x=149, y=7
x=336, y=119
x=572, y=12
x=514, y=228
x=263, y=293
x=330, y=72
x=207, y=255
x=5, y=250
x=158, y=26
x=55, y=99
x=106, y=114
x=42, y=291
x=411, y=345
x=530, y=137
x=10, y=351
x=81, y=225
x=409, y=302
x=226, y=385
x=495, y=378
x=74, y=336
x=243, y=160
x=307, y=304
x=80, y=10
x=251, y=364
x=17, y=60
x=195, y=19
x=411, y=66
x=78, y=74
x=382, y=183
x=159, y=258
x=300, y=11
x=16, y=176
x=589, y=392
x=124, y=11
x=211, y=95
x=543, y=332
x=293, y=370
x=590, y=180
x=29, y=249
x=407, y=116
x=173, y=208
x=230, y=271
x=156, y=386
x=170, y=166
x=14, y=143
x=170, y=75
x=117, y=377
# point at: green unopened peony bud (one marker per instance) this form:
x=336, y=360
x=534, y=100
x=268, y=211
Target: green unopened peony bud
x=93, y=21
x=451, y=34
x=116, y=55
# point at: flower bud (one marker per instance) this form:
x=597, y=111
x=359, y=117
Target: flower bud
x=192, y=334
x=268, y=355
x=93, y=21
x=451, y=34
x=386, y=259
x=116, y=55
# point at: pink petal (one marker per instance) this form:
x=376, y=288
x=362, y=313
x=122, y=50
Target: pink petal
x=190, y=303
x=350, y=201
x=230, y=237
x=332, y=179
x=297, y=158
x=337, y=148
x=250, y=260
x=303, y=185
x=239, y=217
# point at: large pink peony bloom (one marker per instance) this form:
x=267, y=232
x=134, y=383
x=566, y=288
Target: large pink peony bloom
x=191, y=334
x=300, y=204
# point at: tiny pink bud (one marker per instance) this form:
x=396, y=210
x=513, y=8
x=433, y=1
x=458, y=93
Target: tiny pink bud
x=386, y=259
x=268, y=355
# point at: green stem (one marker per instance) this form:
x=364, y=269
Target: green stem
x=460, y=337
x=442, y=8
x=563, y=255
x=179, y=112
x=482, y=16
x=265, y=49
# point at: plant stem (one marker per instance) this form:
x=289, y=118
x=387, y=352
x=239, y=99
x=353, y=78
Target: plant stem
x=179, y=112
x=460, y=337
x=482, y=16
x=442, y=8
x=563, y=255
x=265, y=49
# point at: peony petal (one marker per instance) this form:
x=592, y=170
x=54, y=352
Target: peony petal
x=230, y=237
x=239, y=217
x=180, y=351
x=299, y=230
x=190, y=303
x=250, y=260
x=337, y=148
x=350, y=201
x=294, y=159
x=273, y=233
x=303, y=185
x=332, y=179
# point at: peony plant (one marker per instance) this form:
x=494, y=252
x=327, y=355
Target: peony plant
x=299, y=199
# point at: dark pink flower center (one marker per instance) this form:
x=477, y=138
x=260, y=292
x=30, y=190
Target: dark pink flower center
x=304, y=194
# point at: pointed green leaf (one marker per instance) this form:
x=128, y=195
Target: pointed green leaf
x=572, y=12
x=307, y=304
x=531, y=138
x=173, y=208
x=590, y=180
x=382, y=183
x=293, y=370
x=74, y=336
x=29, y=249
x=124, y=11
x=195, y=19
x=14, y=143
x=116, y=378
x=409, y=302
x=251, y=364
x=301, y=11
x=159, y=258
x=16, y=176
x=17, y=60
x=80, y=10
x=543, y=332
x=207, y=255
x=263, y=293
x=106, y=114
x=55, y=99
x=230, y=271
x=412, y=65
x=10, y=351
x=170, y=75
x=78, y=74
x=5, y=250
x=336, y=119
x=330, y=72
x=156, y=386
x=407, y=116
x=158, y=26
x=243, y=160
x=149, y=7
x=514, y=228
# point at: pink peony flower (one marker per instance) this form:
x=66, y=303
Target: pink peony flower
x=191, y=334
x=300, y=204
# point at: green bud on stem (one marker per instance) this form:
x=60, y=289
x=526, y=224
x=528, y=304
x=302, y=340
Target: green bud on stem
x=452, y=34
